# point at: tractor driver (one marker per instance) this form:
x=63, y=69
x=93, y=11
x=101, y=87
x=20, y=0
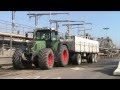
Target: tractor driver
x=43, y=36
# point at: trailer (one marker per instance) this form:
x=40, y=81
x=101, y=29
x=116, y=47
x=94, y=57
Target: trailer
x=81, y=48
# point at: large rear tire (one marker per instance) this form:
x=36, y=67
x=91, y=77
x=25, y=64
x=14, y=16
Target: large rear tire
x=63, y=56
x=76, y=59
x=18, y=62
x=46, y=59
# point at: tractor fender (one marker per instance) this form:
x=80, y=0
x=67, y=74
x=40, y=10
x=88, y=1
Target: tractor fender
x=60, y=44
x=34, y=54
x=23, y=56
x=23, y=48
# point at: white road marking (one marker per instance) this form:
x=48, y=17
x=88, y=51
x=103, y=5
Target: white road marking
x=27, y=77
x=56, y=78
x=37, y=77
x=76, y=68
x=18, y=78
x=45, y=77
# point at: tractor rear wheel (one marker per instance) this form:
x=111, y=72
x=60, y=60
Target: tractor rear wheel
x=63, y=56
x=46, y=59
x=18, y=62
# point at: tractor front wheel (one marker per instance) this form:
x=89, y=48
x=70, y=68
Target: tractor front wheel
x=46, y=59
x=18, y=62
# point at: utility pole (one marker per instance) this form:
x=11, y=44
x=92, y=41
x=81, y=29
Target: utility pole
x=13, y=23
x=69, y=26
x=78, y=26
x=13, y=26
x=36, y=16
x=106, y=30
x=57, y=22
x=50, y=19
x=85, y=28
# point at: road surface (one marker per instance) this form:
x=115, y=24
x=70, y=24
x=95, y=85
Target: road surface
x=103, y=69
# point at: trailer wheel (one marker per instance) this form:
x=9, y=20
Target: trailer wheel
x=18, y=62
x=63, y=56
x=76, y=59
x=95, y=60
x=91, y=58
x=46, y=59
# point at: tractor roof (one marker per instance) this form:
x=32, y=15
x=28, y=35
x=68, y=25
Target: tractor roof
x=44, y=29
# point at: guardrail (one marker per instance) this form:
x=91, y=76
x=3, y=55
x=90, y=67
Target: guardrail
x=6, y=26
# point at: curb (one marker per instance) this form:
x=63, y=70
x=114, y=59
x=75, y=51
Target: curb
x=117, y=71
x=5, y=64
x=2, y=65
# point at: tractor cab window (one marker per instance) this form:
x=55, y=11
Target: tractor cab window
x=38, y=35
x=43, y=35
x=54, y=35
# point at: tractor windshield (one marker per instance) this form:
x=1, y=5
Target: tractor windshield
x=43, y=35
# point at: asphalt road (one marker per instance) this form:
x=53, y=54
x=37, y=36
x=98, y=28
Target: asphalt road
x=103, y=69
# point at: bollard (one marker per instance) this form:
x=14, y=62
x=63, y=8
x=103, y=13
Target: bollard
x=117, y=71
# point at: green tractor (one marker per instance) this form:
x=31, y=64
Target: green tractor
x=44, y=51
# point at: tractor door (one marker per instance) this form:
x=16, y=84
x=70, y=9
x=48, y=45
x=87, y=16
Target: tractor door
x=55, y=39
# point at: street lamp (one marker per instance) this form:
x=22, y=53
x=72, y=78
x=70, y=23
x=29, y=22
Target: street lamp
x=106, y=30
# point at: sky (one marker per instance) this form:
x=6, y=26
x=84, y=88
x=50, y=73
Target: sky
x=99, y=20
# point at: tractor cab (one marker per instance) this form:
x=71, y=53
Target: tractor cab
x=45, y=38
x=45, y=34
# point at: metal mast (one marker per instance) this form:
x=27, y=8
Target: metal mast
x=36, y=16
x=78, y=26
x=59, y=21
x=69, y=26
x=13, y=26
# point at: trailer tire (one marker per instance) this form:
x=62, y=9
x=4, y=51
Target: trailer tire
x=63, y=56
x=45, y=59
x=91, y=58
x=76, y=59
x=96, y=57
x=18, y=62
